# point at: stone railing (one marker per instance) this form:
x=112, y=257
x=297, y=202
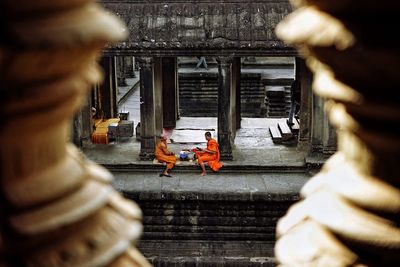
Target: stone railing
x=57, y=208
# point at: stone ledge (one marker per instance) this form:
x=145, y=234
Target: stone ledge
x=228, y=167
x=212, y=261
x=213, y=187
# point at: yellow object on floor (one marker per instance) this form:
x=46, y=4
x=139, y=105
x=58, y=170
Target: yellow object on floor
x=100, y=134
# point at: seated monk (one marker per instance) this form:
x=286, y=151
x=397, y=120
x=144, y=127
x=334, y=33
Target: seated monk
x=210, y=155
x=164, y=155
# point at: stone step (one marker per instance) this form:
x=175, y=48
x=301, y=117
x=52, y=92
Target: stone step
x=220, y=249
x=278, y=104
x=275, y=134
x=149, y=166
x=199, y=98
x=196, y=94
x=276, y=115
x=285, y=131
x=199, y=261
x=227, y=218
x=277, y=82
x=296, y=125
x=278, y=112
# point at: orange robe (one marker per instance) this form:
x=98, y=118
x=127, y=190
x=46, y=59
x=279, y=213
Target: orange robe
x=212, y=159
x=161, y=147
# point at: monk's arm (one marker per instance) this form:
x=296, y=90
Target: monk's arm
x=165, y=150
x=211, y=149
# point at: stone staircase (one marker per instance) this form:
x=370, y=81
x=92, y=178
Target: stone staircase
x=217, y=220
x=198, y=94
x=277, y=101
x=283, y=132
x=252, y=96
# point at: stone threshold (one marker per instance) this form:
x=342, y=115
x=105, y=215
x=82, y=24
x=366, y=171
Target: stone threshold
x=275, y=187
x=148, y=166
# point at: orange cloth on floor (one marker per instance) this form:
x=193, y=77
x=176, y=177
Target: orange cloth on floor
x=100, y=134
x=212, y=159
x=161, y=156
x=100, y=138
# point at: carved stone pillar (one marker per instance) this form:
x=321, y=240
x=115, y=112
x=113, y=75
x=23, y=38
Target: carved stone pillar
x=238, y=104
x=177, y=101
x=134, y=66
x=304, y=75
x=170, y=90
x=147, y=108
x=329, y=138
x=349, y=214
x=317, y=123
x=226, y=106
x=57, y=207
x=120, y=70
x=108, y=89
x=129, y=64
x=158, y=95
x=83, y=123
x=323, y=135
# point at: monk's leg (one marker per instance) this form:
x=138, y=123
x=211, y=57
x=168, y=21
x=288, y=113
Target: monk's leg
x=201, y=159
x=206, y=158
x=203, y=170
x=165, y=172
x=197, y=156
x=171, y=160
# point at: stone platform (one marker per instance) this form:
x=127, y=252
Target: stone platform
x=253, y=149
x=221, y=219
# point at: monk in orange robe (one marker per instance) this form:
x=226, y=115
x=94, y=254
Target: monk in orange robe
x=164, y=155
x=210, y=155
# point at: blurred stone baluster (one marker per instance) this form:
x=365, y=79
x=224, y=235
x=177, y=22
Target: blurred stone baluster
x=349, y=215
x=58, y=208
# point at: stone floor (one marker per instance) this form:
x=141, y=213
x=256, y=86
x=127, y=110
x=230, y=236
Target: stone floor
x=253, y=146
x=128, y=97
x=214, y=186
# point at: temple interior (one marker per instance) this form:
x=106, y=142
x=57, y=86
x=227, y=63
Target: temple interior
x=199, y=133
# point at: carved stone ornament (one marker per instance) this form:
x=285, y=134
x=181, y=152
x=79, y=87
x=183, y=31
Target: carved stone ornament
x=350, y=211
x=57, y=208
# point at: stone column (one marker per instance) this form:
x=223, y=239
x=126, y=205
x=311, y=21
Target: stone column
x=177, y=101
x=83, y=123
x=129, y=67
x=147, y=108
x=170, y=90
x=158, y=95
x=329, y=139
x=226, y=106
x=121, y=68
x=349, y=212
x=108, y=90
x=304, y=76
x=323, y=135
x=237, y=66
x=317, y=124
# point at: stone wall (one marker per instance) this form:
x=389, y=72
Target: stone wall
x=198, y=95
x=182, y=27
